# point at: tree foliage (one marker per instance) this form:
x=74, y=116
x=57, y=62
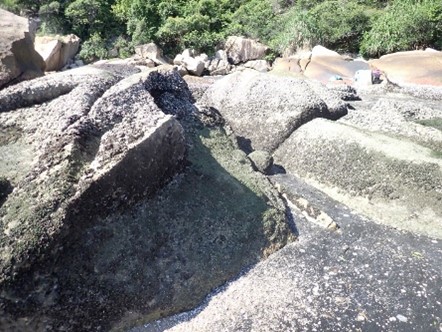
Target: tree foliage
x=373, y=27
x=405, y=25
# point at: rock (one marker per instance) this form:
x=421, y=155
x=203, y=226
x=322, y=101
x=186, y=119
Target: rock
x=199, y=85
x=219, y=67
x=18, y=59
x=50, y=52
x=193, y=65
x=202, y=57
x=221, y=55
x=136, y=61
x=263, y=110
x=412, y=67
x=153, y=52
x=325, y=64
x=261, y=160
x=241, y=49
x=321, y=51
x=363, y=171
x=181, y=70
x=290, y=65
x=188, y=53
x=258, y=65
x=178, y=60
x=363, y=77
x=57, y=51
x=90, y=236
x=411, y=120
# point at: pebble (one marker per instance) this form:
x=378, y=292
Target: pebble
x=402, y=318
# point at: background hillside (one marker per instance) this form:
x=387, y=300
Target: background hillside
x=368, y=27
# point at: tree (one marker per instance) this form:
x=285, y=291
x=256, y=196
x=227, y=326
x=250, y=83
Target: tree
x=405, y=25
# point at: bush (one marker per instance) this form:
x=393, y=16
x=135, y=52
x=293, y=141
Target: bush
x=336, y=24
x=297, y=32
x=405, y=25
x=248, y=20
x=340, y=24
x=93, y=49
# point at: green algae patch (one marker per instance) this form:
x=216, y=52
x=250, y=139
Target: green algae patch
x=434, y=123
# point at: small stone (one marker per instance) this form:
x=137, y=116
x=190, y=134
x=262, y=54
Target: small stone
x=361, y=317
x=402, y=318
x=261, y=160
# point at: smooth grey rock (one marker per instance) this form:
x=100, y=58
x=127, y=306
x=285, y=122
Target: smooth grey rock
x=263, y=110
x=391, y=180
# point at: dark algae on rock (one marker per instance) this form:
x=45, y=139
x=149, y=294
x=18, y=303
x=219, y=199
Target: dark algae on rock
x=120, y=213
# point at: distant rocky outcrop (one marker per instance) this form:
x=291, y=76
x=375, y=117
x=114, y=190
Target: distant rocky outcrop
x=18, y=59
x=120, y=201
x=412, y=67
x=57, y=52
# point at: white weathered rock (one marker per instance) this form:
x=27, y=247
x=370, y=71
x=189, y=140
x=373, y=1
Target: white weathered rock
x=153, y=52
x=181, y=70
x=321, y=51
x=363, y=77
x=188, y=53
x=203, y=57
x=258, y=65
x=57, y=51
x=193, y=66
x=18, y=59
x=241, y=49
x=220, y=67
x=178, y=60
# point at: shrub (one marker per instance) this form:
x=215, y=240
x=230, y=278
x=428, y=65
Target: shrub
x=340, y=24
x=405, y=25
x=297, y=31
x=336, y=24
x=93, y=49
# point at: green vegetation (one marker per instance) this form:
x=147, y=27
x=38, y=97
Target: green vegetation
x=369, y=27
x=435, y=123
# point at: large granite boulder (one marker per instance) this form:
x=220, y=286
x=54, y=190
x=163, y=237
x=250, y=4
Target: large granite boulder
x=90, y=238
x=325, y=64
x=263, y=110
x=390, y=179
x=240, y=49
x=18, y=59
x=57, y=51
x=412, y=67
